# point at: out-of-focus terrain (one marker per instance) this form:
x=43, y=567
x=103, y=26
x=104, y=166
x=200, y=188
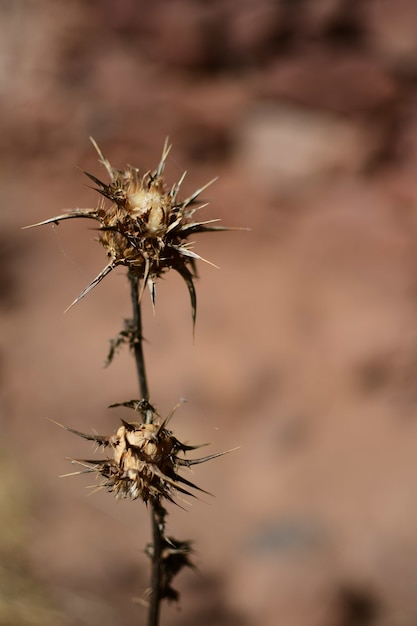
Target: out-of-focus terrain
x=305, y=353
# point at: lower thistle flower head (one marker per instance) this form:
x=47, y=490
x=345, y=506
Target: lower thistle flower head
x=144, y=463
x=144, y=226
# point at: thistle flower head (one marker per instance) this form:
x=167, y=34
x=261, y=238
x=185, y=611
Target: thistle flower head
x=144, y=226
x=145, y=462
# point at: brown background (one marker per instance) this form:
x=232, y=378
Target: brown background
x=306, y=343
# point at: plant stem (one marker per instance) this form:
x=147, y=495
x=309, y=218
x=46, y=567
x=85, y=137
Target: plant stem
x=157, y=518
x=157, y=511
x=138, y=343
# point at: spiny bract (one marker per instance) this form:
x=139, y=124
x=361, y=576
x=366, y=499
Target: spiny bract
x=144, y=463
x=145, y=227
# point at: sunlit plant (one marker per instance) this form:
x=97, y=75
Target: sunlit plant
x=144, y=226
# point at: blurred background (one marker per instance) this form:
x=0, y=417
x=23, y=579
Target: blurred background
x=305, y=353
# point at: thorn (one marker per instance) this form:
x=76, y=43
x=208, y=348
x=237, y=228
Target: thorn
x=87, y=213
x=128, y=425
x=193, y=255
x=165, y=151
x=193, y=196
x=96, y=180
x=103, y=159
x=93, y=466
x=185, y=448
x=93, y=284
x=78, y=473
x=191, y=212
x=170, y=481
x=169, y=417
x=174, y=225
x=145, y=279
x=101, y=440
x=189, y=462
x=176, y=187
x=152, y=289
x=188, y=278
x=183, y=480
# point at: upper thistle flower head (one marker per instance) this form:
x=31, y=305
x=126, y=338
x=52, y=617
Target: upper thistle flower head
x=144, y=226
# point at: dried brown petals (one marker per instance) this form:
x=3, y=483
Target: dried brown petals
x=146, y=226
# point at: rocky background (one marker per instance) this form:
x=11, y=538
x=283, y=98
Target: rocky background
x=305, y=353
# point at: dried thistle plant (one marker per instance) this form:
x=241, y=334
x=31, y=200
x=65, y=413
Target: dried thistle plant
x=145, y=460
x=146, y=228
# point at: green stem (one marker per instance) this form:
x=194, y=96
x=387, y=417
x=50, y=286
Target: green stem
x=157, y=512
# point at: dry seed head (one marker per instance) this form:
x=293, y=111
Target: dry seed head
x=145, y=462
x=144, y=226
